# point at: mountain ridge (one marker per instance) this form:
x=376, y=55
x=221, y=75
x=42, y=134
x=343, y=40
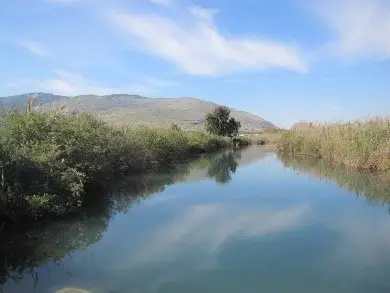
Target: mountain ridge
x=186, y=112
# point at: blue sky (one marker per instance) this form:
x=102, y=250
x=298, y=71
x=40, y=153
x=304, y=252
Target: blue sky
x=285, y=60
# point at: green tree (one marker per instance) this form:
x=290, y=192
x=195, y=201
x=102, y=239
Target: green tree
x=220, y=123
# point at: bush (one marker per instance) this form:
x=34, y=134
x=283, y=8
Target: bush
x=200, y=142
x=48, y=160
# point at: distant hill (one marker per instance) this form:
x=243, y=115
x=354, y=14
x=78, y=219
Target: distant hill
x=188, y=113
x=20, y=101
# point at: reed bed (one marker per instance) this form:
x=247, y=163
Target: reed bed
x=360, y=144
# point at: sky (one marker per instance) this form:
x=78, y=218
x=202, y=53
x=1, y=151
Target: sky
x=285, y=60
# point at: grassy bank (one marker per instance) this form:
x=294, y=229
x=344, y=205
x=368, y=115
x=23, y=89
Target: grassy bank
x=359, y=145
x=48, y=161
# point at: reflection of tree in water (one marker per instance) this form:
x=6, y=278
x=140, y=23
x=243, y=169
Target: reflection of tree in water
x=26, y=247
x=375, y=187
x=222, y=167
x=141, y=187
x=39, y=243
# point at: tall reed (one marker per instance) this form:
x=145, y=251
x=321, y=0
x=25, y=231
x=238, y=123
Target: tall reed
x=359, y=144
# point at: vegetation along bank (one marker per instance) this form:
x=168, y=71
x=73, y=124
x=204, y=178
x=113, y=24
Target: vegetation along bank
x=48, y=161
x=361, y=145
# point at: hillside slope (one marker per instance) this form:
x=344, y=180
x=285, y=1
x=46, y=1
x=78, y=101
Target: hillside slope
x=20, y=101
x=119, y=109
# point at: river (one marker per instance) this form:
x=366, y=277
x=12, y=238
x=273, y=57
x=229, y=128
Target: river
x=237, y=221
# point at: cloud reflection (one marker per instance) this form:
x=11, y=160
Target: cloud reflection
x=205, y=229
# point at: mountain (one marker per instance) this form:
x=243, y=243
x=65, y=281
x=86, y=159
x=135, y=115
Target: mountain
x=121, y=109
x=20, y=101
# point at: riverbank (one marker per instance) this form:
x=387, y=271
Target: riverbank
x=48, y=161
x=363, y=145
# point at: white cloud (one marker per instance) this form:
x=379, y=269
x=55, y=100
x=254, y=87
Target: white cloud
x=197, y=46
x=361, y=27
x=72, y=84
x=35, y=48
x=204, y=13
x=67, y=83
x=161, y=2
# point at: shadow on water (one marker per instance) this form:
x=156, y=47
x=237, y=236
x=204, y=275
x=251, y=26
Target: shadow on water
x=374, y=186
x=25, y=247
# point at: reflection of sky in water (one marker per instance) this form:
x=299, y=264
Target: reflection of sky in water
x=269, y=230
x=206, y=228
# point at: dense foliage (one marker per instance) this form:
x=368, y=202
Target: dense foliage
x=48, y=161
x=220, y=123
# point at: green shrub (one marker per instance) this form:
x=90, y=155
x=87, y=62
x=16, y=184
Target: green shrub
x=201, y=142
x=48, y=160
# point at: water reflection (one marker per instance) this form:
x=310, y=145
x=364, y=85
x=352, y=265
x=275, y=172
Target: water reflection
x=375, y=187
x=204, y=229
x=34, y=245
x=222, y=167
x=26, y=247
x=268, y=230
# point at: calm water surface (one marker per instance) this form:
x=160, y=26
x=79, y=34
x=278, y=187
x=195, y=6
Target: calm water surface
x=243, y=221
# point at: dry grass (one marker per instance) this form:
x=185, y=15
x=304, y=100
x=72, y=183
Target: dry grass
x=359, y=144
x=270, y=136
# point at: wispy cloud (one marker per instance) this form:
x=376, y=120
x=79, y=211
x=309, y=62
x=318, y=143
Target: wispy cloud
x=203, y=13
x=161, y=2
x=35, y=47
x=67, y=83
x=361, y=27
x=71, y=84
x=198, y=47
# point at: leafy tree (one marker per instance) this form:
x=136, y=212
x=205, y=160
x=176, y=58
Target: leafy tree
x=233, y=127
x=220, y=123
